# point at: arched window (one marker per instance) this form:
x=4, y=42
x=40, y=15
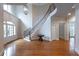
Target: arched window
x=9, y=29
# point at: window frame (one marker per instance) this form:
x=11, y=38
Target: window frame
x=12, y=31
x=7, y=8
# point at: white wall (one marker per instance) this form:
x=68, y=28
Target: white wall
x=67, y=27
x=46, y=29
x=26, y=20
x=1, y=30
x=77, y=28
x=38, y=11
x=55, y=27
x=16, y=21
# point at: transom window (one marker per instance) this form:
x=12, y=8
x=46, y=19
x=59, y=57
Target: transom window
x=7, y=8
x=9, y=29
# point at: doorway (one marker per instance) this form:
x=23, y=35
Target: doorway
x=61, y=31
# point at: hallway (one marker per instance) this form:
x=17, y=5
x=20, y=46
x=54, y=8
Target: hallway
x=37, y=48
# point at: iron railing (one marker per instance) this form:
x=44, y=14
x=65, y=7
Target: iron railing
x=41, y=22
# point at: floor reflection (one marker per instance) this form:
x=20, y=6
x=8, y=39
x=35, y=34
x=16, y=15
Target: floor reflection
x=72, y=43
x=10, y=51
x=38, y=48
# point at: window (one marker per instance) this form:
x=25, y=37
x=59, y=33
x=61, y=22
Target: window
x=7, y=8
x=72, y=32
x=72, y=29
x=9, y=29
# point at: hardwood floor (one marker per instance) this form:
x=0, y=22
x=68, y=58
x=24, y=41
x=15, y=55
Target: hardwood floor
x=37, y=48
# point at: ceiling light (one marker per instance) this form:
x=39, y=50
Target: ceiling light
x=73, y=6
x=69, y=13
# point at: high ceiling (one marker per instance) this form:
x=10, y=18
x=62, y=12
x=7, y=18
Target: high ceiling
x=64, y=8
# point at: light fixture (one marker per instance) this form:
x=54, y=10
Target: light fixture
x=25, y=10
x=73, y=6
x=69, y=14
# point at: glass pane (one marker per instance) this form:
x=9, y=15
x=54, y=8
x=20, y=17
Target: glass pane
x=14, y=30
x=72, y=29
x=5, y=7
x=4, y=30
x=9, y=8
x=8, y=30
x=11, y=30
x=72, y=34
